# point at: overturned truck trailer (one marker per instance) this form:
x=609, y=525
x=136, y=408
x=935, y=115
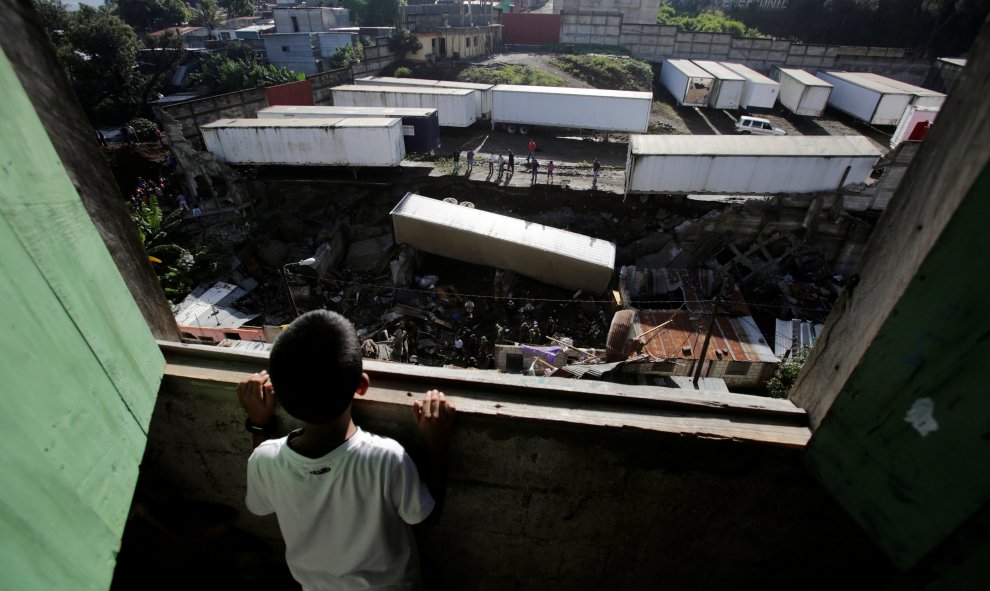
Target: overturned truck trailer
x=746, y=164
x=551, y=255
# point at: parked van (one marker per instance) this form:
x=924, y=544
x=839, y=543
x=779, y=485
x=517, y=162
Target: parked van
x=747, y=125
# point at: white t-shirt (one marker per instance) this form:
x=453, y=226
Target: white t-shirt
x=344, y=516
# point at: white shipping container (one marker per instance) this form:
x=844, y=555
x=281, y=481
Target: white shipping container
x=455, y=107
x=801, y=93
x=728, y=88
x=484, y=97
x=921, y=97
x=322, y=112
x=870, y=101
x=746, y=164
x=759, y=91
x=690, y=85
x=577, y=108
x=551, y=255
x=306, y=142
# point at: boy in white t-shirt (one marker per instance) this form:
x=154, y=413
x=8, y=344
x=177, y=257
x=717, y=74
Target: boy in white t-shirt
x=345, y=498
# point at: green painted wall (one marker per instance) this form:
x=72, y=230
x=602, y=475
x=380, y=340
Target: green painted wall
x=80, y=370
x=909, y=481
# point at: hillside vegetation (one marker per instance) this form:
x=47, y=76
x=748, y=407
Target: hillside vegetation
x=522, y=75
x=608, y=71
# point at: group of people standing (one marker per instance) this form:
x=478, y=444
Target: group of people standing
x=509, y=164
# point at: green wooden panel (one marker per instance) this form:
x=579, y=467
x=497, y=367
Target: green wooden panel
x=912, y=487
x=80, y=371
x=48, y=217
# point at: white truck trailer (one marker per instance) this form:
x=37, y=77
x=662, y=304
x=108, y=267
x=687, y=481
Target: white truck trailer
x=521, y=108
x=867, y=99
x=306, y=142
x=759, y=92
x=551, y=255
x=801, y=93
x=728, y=88
x=748, y=165
x=420, y=127
x=455, y=107
x=484, y=90
x=914, y=125
x=690, y=85
x=920, y=97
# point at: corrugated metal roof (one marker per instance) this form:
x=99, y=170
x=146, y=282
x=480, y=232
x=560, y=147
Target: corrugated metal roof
x=749, y=73
x=734, y=145
x=574, y=91
x=499, y=227
x=733, y=338
x=307, y=122
x=405, y=89
x=718, y=70
x=210, y=307
x=876, y=84
x=804, y=77
x=333, y=112
x=426, y=82
x=688, y=67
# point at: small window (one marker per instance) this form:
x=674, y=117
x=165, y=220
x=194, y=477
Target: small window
x=285, y=48
x=737, y=368
x=467, y=42
x=232, y=336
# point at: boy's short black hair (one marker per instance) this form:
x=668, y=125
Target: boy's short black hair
x=315, y=366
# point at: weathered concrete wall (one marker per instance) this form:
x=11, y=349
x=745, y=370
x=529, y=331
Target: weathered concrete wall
x=376, y=57
x=538, y=504
x=654, y=43
x=322, y=83
x=233, y=105
x=632, y=11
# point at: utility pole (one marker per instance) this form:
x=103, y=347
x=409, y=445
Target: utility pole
x=708, y=337
x=288, y=290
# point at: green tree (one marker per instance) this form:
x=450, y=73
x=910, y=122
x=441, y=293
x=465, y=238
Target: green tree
x=379, y=13
x=786, y=375
x=238, y=7
x=219, y=74
x=100, y=57
x=208, y=14
x=347, y=55
x=689, y=18
x=944, y=12
x=54, y=16
x=151, y=15
x=178, y=268
x=401, y=41
x=162, y=59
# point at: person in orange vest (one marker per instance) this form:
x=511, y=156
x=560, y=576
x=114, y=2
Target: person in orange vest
x=532, y=150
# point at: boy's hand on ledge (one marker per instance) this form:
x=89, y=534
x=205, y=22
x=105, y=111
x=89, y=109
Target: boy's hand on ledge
x=257, y=397
x=434, y=415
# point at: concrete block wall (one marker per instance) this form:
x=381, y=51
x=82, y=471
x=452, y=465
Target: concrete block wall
x=593, y=28
x=322, y=83
x=376, y=57
x=233, y=105
x=545, y=504
x=654, y=43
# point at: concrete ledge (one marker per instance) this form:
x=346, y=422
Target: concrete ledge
x=702, y=414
